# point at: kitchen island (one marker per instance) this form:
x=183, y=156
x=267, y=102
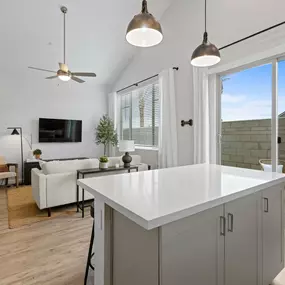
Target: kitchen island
x=201, y=224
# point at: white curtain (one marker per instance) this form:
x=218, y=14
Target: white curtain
x=168, y=152
x=112, y=113
x=205, y=116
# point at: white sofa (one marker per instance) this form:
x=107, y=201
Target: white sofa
x=55, y=184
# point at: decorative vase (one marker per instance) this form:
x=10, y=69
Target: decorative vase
x=37, y=156
x=103, y=165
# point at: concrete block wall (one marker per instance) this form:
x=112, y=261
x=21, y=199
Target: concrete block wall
x=244, y=143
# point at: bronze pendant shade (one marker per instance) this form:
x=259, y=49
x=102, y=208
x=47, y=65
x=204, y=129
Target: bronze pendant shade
x=205, y=54
x=144, y=30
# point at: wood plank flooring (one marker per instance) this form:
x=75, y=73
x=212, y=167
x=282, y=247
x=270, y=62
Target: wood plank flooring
x=52, y=252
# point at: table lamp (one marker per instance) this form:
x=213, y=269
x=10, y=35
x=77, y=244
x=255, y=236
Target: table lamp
x=127, y=146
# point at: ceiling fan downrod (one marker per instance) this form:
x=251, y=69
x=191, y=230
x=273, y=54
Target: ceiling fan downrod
x=63, y=9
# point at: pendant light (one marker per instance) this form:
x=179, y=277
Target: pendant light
x=205, y=54
x=144, y=30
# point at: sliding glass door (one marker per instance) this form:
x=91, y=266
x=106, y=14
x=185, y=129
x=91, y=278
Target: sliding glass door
x=281, y=114
x=251, y=117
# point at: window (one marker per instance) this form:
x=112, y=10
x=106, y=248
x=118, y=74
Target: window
x=140, y=115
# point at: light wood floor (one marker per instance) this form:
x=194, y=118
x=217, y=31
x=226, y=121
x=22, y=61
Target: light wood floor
x=52, y=252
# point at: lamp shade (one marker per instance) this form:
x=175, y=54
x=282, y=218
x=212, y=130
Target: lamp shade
x=144, y=30
x=15, y=132
x=126, y=146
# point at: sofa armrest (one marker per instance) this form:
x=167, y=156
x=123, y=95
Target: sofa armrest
x=39, y=185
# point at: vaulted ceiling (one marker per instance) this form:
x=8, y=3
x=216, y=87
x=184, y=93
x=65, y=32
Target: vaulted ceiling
x=32, y=35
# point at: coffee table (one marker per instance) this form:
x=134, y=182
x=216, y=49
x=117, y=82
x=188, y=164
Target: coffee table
x=81, y=174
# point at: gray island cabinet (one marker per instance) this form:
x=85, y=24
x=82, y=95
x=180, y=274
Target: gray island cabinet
x=201, y=224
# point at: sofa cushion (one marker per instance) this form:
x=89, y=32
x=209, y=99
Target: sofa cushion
x=93, y=163
x=114, y=160
x=136, y=160
x=57, y=166
x=4, y=175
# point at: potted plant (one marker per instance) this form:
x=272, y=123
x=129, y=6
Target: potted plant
x=103, y=162
x=106, y=133
x=37, y=153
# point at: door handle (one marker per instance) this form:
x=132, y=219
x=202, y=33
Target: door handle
x=266, y=205
x=230, y=222
x=222, y=226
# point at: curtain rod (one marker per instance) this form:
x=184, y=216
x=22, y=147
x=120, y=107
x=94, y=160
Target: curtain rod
x=252, y=35
x=137, y=83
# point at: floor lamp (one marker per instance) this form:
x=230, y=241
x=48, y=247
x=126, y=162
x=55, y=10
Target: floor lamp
x=15, y=132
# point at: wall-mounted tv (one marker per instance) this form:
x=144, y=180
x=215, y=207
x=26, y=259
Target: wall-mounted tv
x=55, y=130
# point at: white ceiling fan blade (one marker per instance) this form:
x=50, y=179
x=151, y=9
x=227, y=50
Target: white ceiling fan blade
x=35, y=68
x=51, y=77
x=87, y=74
x=77, y=79
x=63, y=67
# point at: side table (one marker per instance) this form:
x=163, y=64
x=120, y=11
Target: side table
x=81, y=175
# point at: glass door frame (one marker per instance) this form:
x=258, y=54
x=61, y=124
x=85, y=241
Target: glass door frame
x=274, y=106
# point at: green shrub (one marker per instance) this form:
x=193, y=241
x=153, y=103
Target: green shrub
x=104, y=159
x=105, y=133
x=37, y=152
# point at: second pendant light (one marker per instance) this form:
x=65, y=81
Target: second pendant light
x=205, y=54
x=144, y=30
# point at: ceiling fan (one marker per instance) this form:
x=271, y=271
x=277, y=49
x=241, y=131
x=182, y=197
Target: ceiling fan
x=64, y=73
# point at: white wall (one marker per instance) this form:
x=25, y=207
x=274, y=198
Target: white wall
x=23, y=100
x=183, y=29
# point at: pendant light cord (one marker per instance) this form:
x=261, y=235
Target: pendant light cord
x=64, y=38
x=205, y=36
x=206, y=16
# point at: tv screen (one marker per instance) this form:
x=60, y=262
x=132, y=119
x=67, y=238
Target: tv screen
x=54, y=130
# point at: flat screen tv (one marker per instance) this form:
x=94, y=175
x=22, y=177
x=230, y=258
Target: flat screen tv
x=54, y=130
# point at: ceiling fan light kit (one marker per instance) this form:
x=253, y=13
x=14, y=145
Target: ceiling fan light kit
x=64, y=74
x=144, y=30
x=206, y=54
x=64, y=77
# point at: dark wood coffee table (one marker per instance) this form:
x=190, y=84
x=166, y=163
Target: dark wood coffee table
x=81, y=174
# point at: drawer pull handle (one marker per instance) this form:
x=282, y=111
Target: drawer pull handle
x=230, y=222
x=266, y=205
x=222, y=226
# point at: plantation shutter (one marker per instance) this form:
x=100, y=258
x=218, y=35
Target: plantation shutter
x=140, y=115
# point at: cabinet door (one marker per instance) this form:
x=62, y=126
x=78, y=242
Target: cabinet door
x=241, y=242
x=192, y=250
x=272, y=239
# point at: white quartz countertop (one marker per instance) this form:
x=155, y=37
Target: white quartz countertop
x=157, y=197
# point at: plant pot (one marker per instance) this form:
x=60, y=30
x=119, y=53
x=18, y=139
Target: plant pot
x=37, y=156
x=103, y=165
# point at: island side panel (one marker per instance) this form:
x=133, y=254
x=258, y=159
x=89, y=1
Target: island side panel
x=99, y=242
x=135, y=253
x=103, y=243
x=192, y=249
x=108, y=229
